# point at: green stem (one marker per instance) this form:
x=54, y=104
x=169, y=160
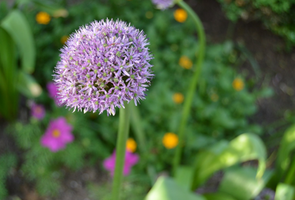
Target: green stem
x=290, y=174
x=192, y=88
x=120, y=150
x=140, y=136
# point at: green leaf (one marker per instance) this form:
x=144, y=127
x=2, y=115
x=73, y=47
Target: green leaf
x=242, y=184
x=184, y=176
x=284, y=192
x=7, y=75
x=28, y=86
x=18, y=27
x=219, y=196
x=287, y=145
x=167, y=189
x=222, y=155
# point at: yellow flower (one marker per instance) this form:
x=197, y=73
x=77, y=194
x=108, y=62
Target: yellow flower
x=238, y=84
x=131, y=145
x=180, y=15
x=43, y=18
x=63, y=39
x=185, y=62
x=170, y=140
x=178, y=98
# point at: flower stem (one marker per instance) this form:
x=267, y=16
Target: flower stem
x=120, y=150
x=192, y=88
x=140, y=135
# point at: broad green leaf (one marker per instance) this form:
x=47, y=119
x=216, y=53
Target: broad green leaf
x=18, y=27
x=184, y=176
x=242, y=184
x=8, y=93
x=287, y=145
x=219, y=196
x=28, y=86
x=244, y=147
x=167, y=189
x=284, y=192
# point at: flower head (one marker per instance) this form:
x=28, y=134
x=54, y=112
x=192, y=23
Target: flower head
x=131, y=145
x=43, y=18
x=57, y=135
x=163, y=4
x=185, y=62
x=170, y=140
x=130, y=160
x=103, y=65
x=178, y=98
x=180, y=15
x=37, y=111
x=52, y=91
x=238, y=84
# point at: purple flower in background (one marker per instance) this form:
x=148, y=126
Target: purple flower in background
x=163, y=4
x=103, y=65
x=37, y=111
x=57, y=135
x=130, y=160
x=52, y=91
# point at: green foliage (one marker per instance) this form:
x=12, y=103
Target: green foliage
x=133, y=188
x=284, y=192
x=44, y=167
x=166, y=189
x=15, y=32
x=277, y=15
x=223, y=154
x=283, y=177
x=242, y=184
x=7, y=162
x=218, y=111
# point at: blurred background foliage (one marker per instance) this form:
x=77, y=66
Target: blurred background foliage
x=276, y=15
x=223, y=102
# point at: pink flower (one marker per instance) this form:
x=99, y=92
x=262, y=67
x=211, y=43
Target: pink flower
x=37, y=111
x=130, y=160
x=57, y=135
x=52, y=90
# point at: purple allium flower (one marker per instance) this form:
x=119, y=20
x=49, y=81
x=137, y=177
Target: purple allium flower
x=130, y=160
x=102, y=65
x=163, y=4
x=37, y=111
x=57, y=135
x=52, y=91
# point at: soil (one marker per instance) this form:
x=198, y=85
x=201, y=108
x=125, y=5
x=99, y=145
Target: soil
x=275, y=64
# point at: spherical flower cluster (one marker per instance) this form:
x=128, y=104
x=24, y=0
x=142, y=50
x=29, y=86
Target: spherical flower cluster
x=103, y=65
x=163, y=4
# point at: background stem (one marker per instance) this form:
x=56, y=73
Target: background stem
x=120, y=150
x=192, y=88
